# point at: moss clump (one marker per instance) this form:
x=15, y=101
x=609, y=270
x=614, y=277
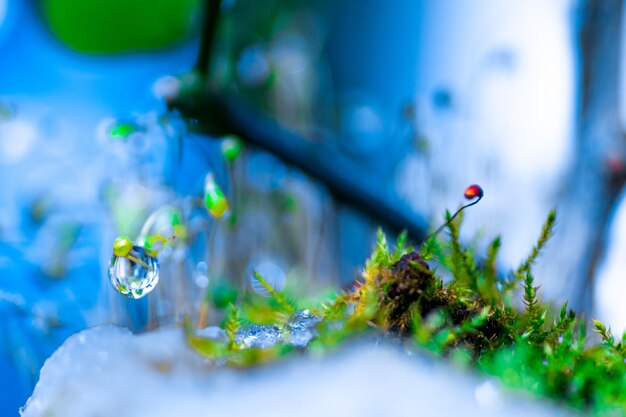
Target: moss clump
x=470, y=317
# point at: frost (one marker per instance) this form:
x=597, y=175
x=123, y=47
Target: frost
x=109, y=372
x=258, y=336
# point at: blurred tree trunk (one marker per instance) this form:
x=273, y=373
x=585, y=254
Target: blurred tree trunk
x=598, y=170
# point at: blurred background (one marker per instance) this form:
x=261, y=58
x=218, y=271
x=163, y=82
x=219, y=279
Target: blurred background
x=354, y=114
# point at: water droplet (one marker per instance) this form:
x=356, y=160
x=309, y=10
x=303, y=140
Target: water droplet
x=166, y=88
x=302, y=327
x=258, y=336
x=253, y=66
x=201, y=276
x=364, y=124
x=201, y=280
x=202, y=267
x=17, y=139
x=303, y=319
x=134, y=275
x=272, y=274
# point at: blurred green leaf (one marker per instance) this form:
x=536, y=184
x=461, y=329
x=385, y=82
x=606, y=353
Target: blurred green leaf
x=112, y=26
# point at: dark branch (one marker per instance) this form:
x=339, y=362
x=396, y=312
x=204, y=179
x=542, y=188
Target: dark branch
x=348, y=181
x=209, y=29
x=342, y=176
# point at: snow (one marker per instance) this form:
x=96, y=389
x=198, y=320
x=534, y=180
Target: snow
x=108, y=371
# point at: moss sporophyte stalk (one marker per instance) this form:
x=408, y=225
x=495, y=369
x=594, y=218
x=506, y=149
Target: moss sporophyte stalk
x=472, y=318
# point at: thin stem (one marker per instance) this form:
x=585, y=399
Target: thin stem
x=436, y=232
x=231, y=187
x=204, y=314
x=139, y=261
x=204, y=310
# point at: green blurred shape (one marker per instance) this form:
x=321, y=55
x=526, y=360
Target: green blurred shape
x=122, y=131
x=223, y=295
x=231, y=148
x=111, y=26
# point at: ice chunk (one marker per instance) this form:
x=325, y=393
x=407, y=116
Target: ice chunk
x=258, y=336
x=302, y=328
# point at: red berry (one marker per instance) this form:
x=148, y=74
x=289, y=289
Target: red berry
x=473, y=191
x=616, y=165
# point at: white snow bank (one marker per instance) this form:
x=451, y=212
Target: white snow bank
x=107, y=371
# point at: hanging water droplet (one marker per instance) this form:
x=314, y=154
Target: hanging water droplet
x=202, y=267
x=253, y=66
x=258, y=336
x=167, y=88
x=302, y=327
x=364, y=124
x=167, y=221
x=134, y=275
x=18, y=137
x=202, y=275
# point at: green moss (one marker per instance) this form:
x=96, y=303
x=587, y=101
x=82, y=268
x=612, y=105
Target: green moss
x=471, y=319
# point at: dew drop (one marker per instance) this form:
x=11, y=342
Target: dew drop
x=253, y=66
x=167, y=88
x=201, y=281
x=202, y=267
x=167, y=221
x=202, y=275
x=134, y=275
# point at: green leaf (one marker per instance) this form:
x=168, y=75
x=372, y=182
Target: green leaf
x=113, y=26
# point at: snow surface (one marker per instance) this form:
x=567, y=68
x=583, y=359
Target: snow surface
x=108, y=371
